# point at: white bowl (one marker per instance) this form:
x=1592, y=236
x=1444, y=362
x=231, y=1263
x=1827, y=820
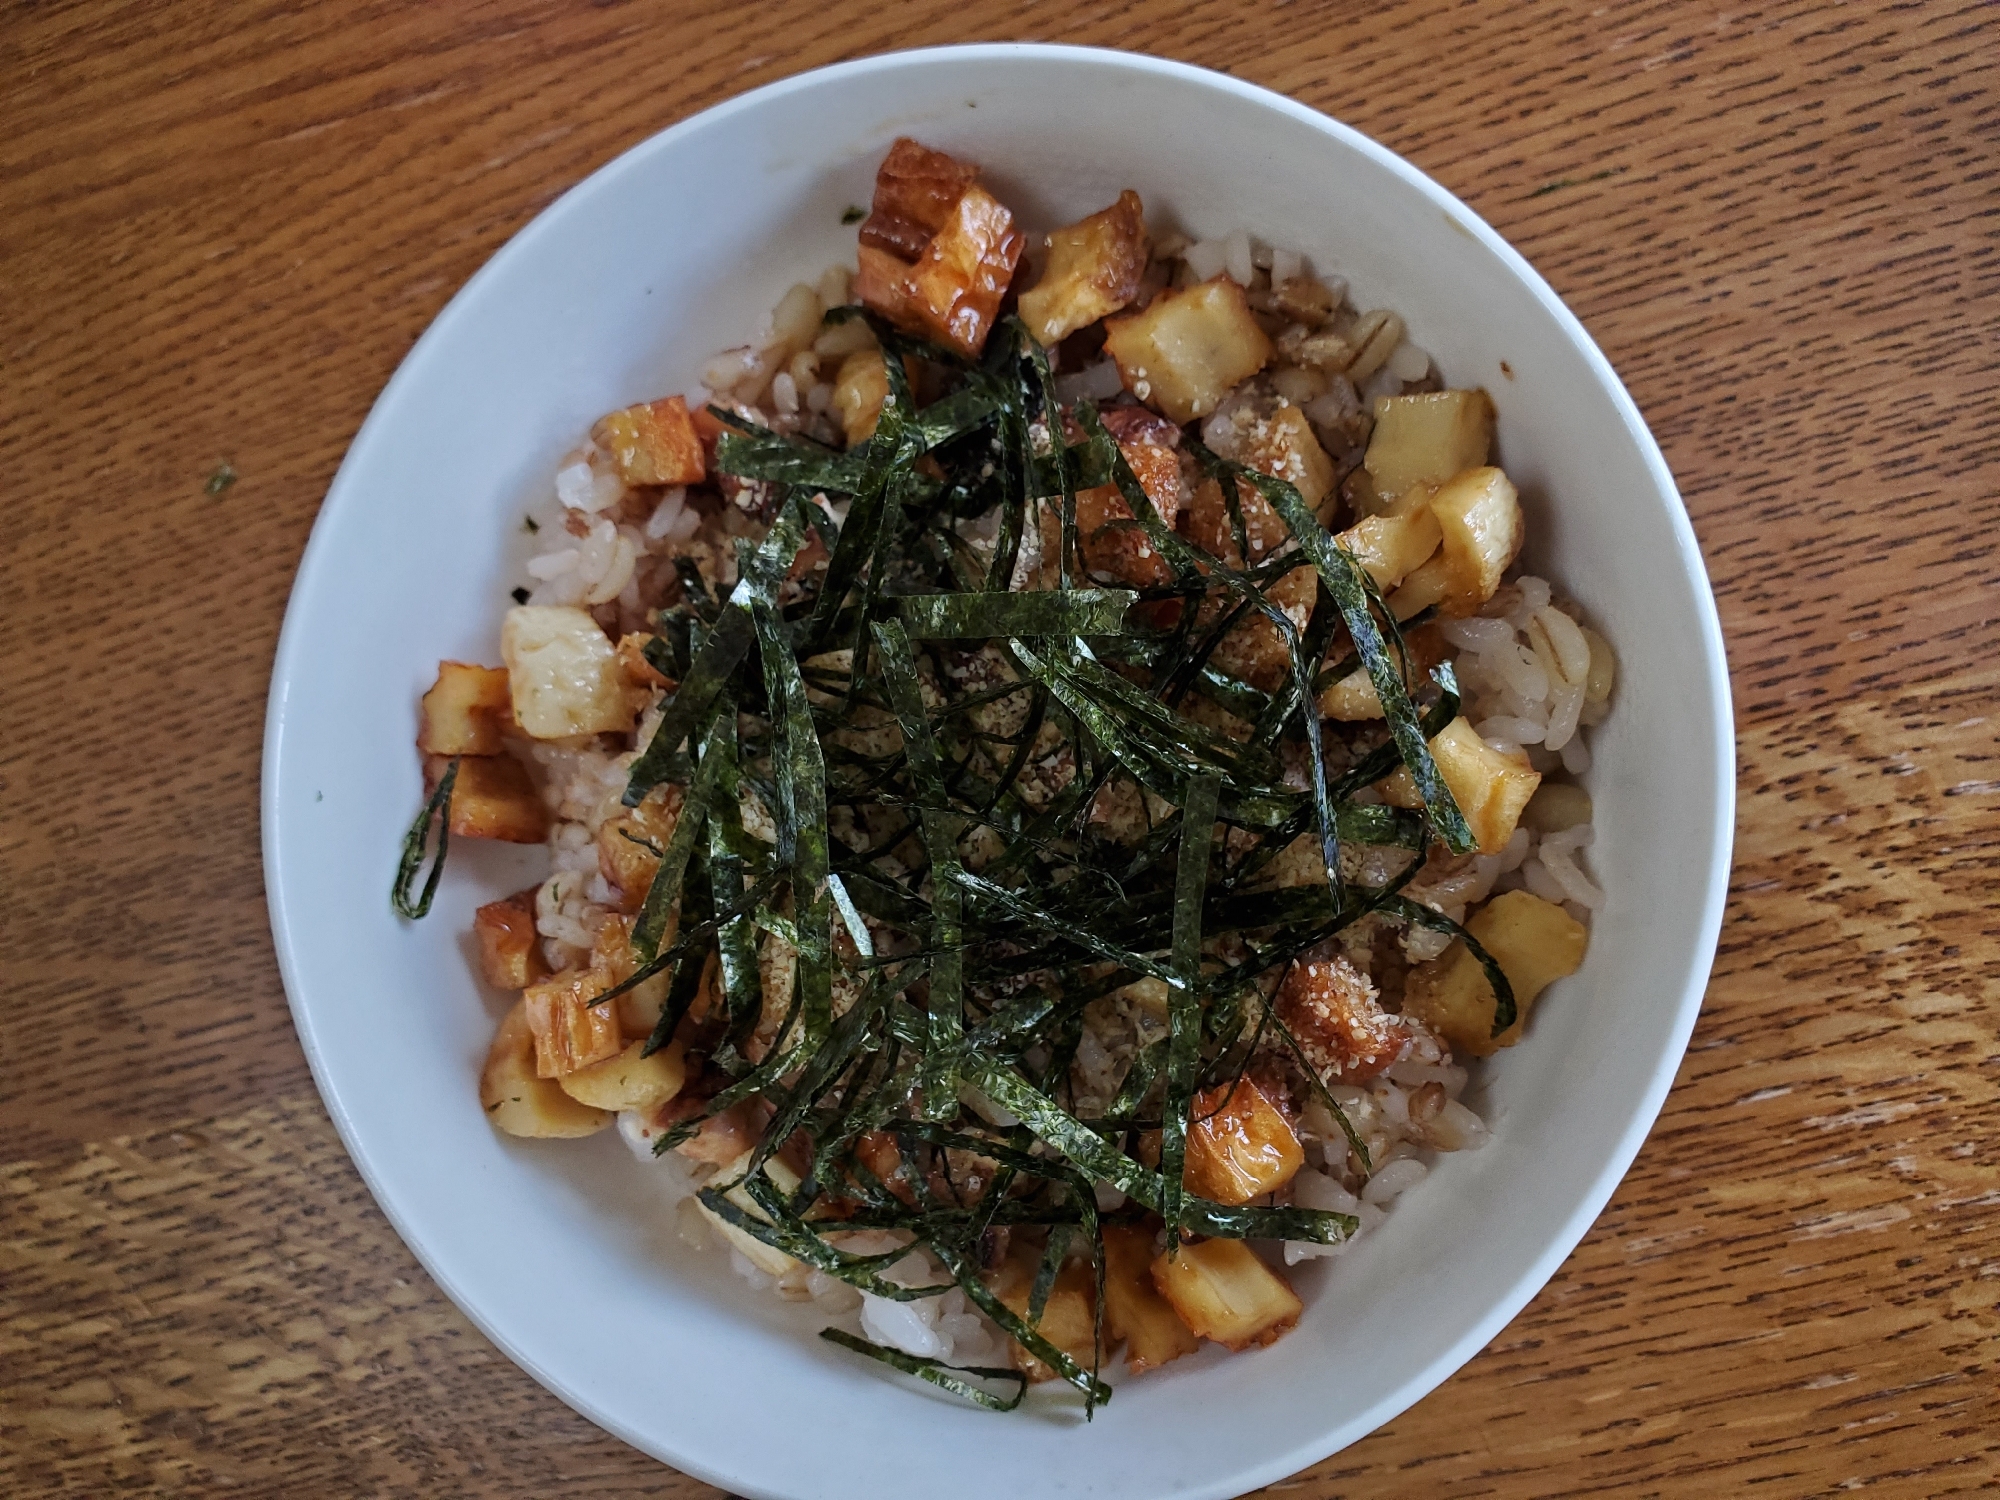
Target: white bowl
x=562, y=1252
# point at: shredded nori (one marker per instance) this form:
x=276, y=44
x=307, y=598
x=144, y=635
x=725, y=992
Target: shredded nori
x=892, y=766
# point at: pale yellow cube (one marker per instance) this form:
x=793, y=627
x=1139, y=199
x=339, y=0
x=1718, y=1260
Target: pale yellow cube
x=1423, y=440
x=563, y=673
x=628, y=1080
x=1535, y=942
x=1490, y=788
x=1188, y=348
x=1479, y=521
x=519, y=1101
x=1223, y=1292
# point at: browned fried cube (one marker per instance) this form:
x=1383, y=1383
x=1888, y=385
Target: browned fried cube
x=1239, y=1144
x=510, y=950
x=492, y=798
x=1330, y=1007
x=1068, y=1320
x=652, y=443
x=1094, y=269
x=465, y=711
x=1223, y=1292
x=915, y=191
x=569, y=1032
x=1134, y=1310
x=626, y=844
x=956, y=285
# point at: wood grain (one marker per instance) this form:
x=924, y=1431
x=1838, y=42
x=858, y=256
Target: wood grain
x=222, y=226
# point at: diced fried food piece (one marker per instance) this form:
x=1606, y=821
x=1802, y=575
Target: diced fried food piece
x=570, y=1032
x=563, y=673
x=955, y=287
x=628, y=1081
x=1352, y=699
x=1188, y=348
x=465, y=711
x=1223, y=1292
x=1210, y=527
x=639, y=672
x=519, y=1101
x=1134, y=1310
x=510, y=950
x=492, y=798
x=1068, y=1318
x=1330, y=1007
x=1394, y=543
x=1093, y=271
x=1282, y=445
x=1255, y=650
x=766, y=1258
x=858, y=393
x=611, y=955
x=915, y=191
x=1239, y=1144
x=1479, y=516
x=627, y=844
x=1124, y=551
x=1534, y=941
x=652, y=443
x=1490, y=787
x=1423, y=440
x=881, y=282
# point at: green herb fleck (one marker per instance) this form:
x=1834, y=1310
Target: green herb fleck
x=854, y=214
x=530, y=524
x=223, y=477
x=520, y=596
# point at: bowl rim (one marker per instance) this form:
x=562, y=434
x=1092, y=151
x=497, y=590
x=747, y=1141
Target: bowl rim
x=1562, y=1240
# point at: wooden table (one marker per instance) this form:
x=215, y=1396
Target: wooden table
x=222, y=226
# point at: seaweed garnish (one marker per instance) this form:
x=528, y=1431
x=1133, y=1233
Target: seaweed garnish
x=436, y=808
x=891, y=893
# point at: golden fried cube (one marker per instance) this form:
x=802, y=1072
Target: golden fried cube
x=916, y=189
x=1353, y=698
x=1125, y=552
x=1490, y=788
x=1188, y=348
x=652, y=443
x=563, y=673
x=1421, y=441
x=519, y=1101
x=1282, y=444
x=465, y=711
x=881, y=284
x=1535, y=942
x=571, y=1033
x=1223, y=1292
x=626, y=1080
x=1094, y=269
x=626, y=844
x=1210, y=527
x=1479, y=519
x=956, y=285
x=1332, y=1010
x=492, y=798
x=1068, y=1319
x=1395, y=542
x=1239, y=1144
x=1134, y=1310
x=1255, y=650
x=510, y=950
